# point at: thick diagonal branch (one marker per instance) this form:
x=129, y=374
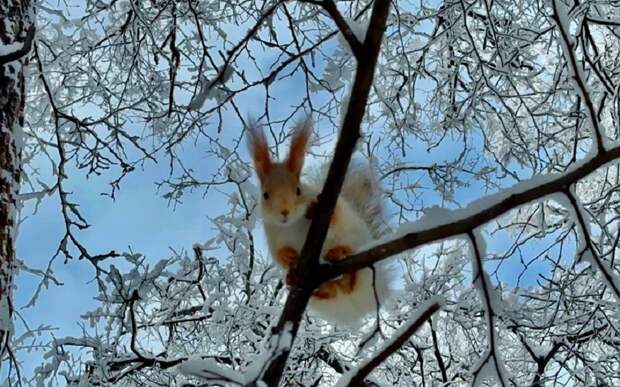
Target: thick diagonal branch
x=463, y=221
x=345, y=29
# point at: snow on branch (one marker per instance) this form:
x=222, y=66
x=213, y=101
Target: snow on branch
x=225, y=71
x=594, y=258
x=208, y=88
x=347, y=32
x=356, y=376
x=561, y=18
x=14, y=51
x=490, y=365
x=441, y=224
x=210, y=371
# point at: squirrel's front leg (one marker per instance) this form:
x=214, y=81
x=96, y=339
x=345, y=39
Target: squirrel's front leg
x=337, y=253
x=346, y=283
x=288, y=258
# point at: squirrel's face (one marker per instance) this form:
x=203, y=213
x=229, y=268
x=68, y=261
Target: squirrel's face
x=282, y=198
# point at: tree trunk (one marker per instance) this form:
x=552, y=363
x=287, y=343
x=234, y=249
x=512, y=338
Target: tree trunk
x=16, y=36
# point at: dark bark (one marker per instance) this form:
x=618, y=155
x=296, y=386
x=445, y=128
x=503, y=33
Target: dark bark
x=393, y=346
x=475, y=220
x=15, y=27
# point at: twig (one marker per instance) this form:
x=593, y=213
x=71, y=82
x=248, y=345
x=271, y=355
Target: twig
x=23, y=51
x=393, y=346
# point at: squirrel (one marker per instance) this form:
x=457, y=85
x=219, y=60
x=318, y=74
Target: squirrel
x=287, y=206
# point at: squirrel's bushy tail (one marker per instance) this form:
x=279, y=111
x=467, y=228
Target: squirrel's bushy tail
x=362, y=192
x=361, y=189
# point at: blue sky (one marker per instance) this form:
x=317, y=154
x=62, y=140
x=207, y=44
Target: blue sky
x=141, y=220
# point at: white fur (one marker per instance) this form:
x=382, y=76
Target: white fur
x=350, y=309
x=350, y=229
x=361, y=191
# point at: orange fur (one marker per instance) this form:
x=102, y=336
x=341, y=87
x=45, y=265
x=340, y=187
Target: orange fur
x=327, y=290
x=345, y=284
x=337, y=253
x=257, y=144
x=287, y=256
x=301, y=135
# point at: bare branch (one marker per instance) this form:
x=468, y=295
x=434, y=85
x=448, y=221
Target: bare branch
x=575, y=72
x=356, y=46
x=394, y=344
x=466, y=220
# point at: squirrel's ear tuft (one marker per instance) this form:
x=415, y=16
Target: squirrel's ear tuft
x=301, y=135
x=257, y=144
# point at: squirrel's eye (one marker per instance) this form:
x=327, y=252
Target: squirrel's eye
x=266, y=195
x=298, y=192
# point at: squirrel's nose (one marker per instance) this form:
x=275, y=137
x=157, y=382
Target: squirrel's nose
x=284, y=212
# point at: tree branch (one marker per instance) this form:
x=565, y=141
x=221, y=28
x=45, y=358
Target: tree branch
x=300, y=294
x=485, y=291
x=23, y=51
x=568, y=47
x=330, y=7
x=468, y=219
x=394, y=344
x=596, y=260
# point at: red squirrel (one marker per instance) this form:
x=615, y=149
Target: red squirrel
x=286, y=205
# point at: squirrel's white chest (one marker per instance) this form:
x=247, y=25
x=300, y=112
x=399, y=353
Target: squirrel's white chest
x=291, y=235
x=349, y=231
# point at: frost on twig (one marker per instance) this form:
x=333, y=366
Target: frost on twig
x=423, y=313
x=208, y=87
x=490, y=364
x=586, y=248
x=211, y=372
x=272, y=347
x=576, y=73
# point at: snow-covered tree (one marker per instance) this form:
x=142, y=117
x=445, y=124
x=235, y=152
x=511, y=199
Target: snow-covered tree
x=492, y=126
x=16, y=36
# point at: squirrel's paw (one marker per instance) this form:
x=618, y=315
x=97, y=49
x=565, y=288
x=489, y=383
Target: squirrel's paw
x=337, y=253
x=287, y=256
x=311, y=209
x=327, y=290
